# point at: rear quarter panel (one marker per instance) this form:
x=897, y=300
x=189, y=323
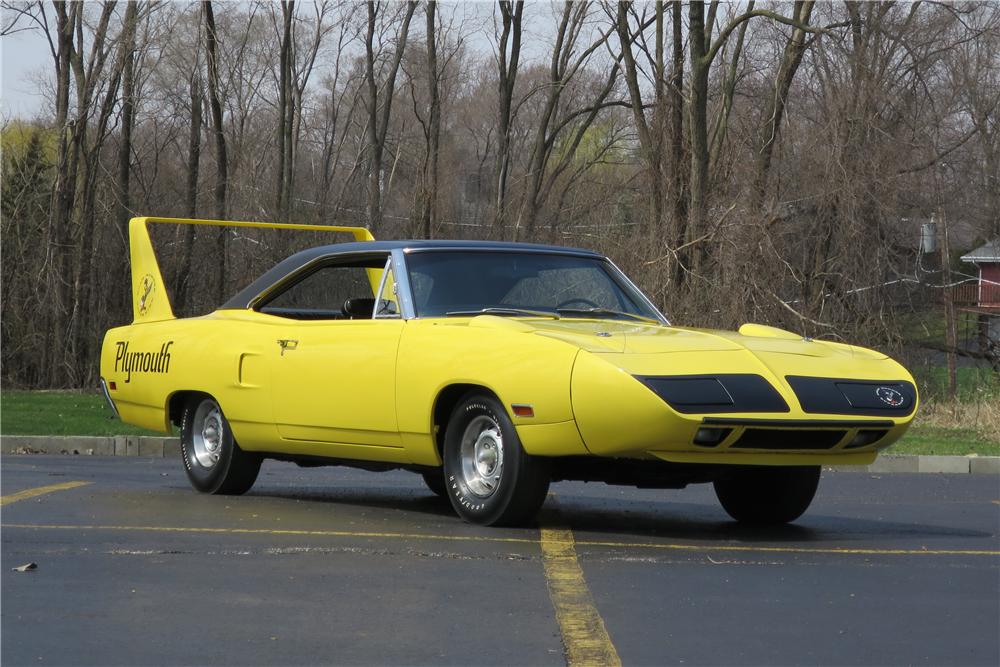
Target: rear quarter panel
x=150, y=362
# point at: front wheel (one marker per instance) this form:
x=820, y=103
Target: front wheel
x=489, y=478
x=767, y=494
x=213, y=461
x=435, y=482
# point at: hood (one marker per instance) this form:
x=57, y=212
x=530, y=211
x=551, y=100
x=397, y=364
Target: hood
x=650, y=349
x=611, y=336
x=625, y=337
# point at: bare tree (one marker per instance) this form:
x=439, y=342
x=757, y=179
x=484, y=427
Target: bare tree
x=560, y=114
x=286, y=111
x=218, y=131
x=379, y=103
x=511, y=14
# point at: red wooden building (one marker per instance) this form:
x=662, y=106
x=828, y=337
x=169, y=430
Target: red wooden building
x=987, y=261
x=984, y=302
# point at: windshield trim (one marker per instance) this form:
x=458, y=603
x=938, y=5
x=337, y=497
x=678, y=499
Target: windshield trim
x=631, y=287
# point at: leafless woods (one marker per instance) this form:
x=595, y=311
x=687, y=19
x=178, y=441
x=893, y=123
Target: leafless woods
x=744, y=162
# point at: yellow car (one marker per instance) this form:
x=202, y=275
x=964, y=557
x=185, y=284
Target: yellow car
x=491, y=369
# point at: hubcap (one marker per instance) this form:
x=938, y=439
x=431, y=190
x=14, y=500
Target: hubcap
x=482, y=456
x=207, y=434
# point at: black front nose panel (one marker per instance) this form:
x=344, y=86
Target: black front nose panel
x=836, y=396
x=708, y=394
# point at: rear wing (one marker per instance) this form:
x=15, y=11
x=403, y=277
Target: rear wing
x=150, y=302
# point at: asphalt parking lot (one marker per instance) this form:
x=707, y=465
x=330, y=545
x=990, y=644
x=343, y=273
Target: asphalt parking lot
x=335, y=566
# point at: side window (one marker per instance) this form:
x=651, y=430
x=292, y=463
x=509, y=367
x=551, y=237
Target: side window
x=330, y=292
x=387, y=305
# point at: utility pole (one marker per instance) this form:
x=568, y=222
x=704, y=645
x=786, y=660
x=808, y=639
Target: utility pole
x=947, y=298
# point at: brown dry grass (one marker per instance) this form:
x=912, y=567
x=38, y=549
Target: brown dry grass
x=983, y=416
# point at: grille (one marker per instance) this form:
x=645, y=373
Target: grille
x=764, y=438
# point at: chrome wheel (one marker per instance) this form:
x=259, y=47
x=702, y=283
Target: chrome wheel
x=489, y=478
x=207, y=434
x=482, y=456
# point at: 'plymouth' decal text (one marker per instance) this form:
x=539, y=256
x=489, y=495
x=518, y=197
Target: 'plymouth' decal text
x=142, y=362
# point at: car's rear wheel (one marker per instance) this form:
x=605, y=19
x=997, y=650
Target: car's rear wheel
x=767, y=494
x=435, y=482
x=489, y=478
x=213, y=461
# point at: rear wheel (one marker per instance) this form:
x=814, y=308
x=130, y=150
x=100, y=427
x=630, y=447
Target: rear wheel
x=213, y=461
x=767, y=494
x=489, y=478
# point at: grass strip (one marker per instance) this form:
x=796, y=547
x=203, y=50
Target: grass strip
x=60, y=413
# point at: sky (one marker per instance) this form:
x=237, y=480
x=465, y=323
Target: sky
x=24, y=56
x=26, y=59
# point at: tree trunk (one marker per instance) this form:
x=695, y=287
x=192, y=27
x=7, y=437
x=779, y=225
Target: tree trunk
x=698, y=128
x=429, y=213
x=191, y=192
x=511, y=14
x=379, y=114
x=221, y=158
x=286, y=112
x=89, y=74
x=649, y=142
x=774, y=112
x=127, y=119
x=59, y=238
x=678, y=227
x=120, y=300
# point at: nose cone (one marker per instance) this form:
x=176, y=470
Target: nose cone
x=617, y=415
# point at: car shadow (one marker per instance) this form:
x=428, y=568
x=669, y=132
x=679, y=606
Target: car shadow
x=619, y=519
x=405, y=499
x=702, y=522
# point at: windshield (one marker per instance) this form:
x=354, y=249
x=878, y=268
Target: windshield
x=468, y=282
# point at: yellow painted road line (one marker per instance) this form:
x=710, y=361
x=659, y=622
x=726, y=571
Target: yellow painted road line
x=584, y=636
x=665, y=546
x=40, y=491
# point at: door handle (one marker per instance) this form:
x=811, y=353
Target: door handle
x=287, y=344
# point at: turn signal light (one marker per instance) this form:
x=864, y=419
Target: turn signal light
x=522, y=410
x=864, y=438
x=710, y=437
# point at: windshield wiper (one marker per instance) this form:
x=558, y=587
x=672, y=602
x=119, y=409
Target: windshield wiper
x=494, y=310
x=608, y=311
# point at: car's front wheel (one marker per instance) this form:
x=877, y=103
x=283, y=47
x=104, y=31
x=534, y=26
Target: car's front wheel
x=767, y=494
x=213, y=461
x=435, y=482
x=489, y=478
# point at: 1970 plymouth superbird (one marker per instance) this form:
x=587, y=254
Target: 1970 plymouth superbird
x=491, y=369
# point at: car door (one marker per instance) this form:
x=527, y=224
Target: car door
x=334, y=369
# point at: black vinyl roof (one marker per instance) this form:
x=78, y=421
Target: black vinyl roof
x=244, y=297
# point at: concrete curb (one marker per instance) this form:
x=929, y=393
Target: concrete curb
x=888, y=463
x=157, y=447
x=117, y=445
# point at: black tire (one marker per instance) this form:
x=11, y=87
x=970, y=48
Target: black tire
x=767, y=494
x=435, y=482
x=213, y=461
x=490, y=479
